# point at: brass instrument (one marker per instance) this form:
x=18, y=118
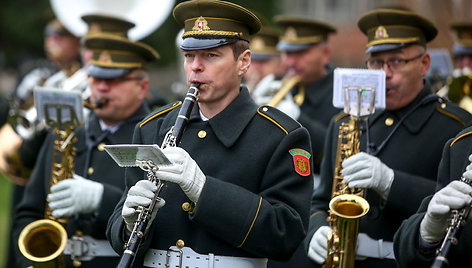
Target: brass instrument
x=347, y=205
x=43, y=241
x=459, y=91
x=287, y=85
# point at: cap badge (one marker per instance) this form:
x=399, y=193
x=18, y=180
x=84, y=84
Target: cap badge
x=105, y=57
x=201, y=25
x=290, y=32
x=381, y=32
x=301, y=161
x=94, y=28
x=257, y=43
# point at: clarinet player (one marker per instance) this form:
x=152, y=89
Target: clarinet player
x=240, y=182
x=420, y=236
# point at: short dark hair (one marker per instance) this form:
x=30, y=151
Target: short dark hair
x=239, y=47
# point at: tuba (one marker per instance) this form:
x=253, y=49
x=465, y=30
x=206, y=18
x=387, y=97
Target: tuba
x=43, y=241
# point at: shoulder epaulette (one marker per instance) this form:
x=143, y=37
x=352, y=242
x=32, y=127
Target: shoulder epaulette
x=280, y=119
x=339, y=117
x=160, y=111
x=461, y=135
x=453, y=111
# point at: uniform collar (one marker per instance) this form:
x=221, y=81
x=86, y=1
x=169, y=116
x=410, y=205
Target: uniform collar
x=231, y=122
x=95, y=129
x=415, y=120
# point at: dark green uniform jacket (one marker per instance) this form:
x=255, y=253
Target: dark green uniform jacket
x=453, y=163
x=100, y=167
x=316, y=112
x=254, y=202
x=413, y=151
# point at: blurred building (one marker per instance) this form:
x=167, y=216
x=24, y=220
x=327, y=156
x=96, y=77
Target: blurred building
x=349, y=42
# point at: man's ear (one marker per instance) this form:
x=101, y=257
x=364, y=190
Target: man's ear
x=426, y=62
x=144, y=84
x=244, y=61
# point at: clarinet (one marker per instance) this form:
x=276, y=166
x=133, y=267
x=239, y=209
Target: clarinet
x=171, y=139
x=458, y=220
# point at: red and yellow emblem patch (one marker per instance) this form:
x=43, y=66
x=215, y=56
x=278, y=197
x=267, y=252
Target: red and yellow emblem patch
x=301, y=161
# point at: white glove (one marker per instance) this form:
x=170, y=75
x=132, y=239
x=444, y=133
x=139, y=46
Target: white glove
x=184, y=171
x=366, y=171
x=265, y=89
x=76, y=195
x=318, y=248
x=141, y=194
x=288, y=106
x=455, y=195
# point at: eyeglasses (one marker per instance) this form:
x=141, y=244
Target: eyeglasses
x=392, y=64
x=115, y=80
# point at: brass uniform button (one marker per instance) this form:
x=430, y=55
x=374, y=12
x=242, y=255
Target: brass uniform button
x=100, y=146
x=180, y=243
x=202, y=134
x=90, y=170
x=186, y=207
x=389, y=121
x=443, y=106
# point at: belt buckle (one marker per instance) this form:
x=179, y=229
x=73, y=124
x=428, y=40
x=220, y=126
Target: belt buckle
x=169, y=251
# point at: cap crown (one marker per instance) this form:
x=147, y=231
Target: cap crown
x=299, y=30
x=118, y=52
x=98, y=23
x=265, y=42
x=216, y=19
x=393, y=26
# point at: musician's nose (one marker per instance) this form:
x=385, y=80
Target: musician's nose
x=197, y=64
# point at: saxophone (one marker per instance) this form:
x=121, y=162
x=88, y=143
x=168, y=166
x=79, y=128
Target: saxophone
x=43, y=241
x=347, y=205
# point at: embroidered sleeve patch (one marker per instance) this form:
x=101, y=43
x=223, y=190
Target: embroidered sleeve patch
x=301, y=161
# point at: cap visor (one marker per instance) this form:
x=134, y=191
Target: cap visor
x=107, y=73
x=263, y=56
x=192, y=43
x=292, y=47
x=384, y=47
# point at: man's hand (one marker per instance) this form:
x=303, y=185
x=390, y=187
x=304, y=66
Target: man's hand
x=141, y=194
x=366, y=171
x=73, y=196
x=184, y=171
x=318, y=249
x=455, y=195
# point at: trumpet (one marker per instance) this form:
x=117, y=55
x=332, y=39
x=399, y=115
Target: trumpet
x=287, y=85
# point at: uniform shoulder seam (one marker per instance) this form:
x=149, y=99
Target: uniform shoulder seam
x=160, y=111
x=277, y=118
x=339, y=117
x=443, y=110
x=460, y=137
